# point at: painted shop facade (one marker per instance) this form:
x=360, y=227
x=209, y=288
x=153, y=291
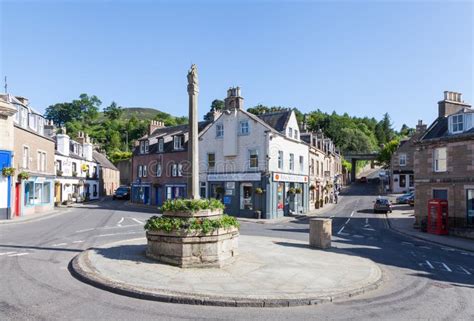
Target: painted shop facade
x=257, y=165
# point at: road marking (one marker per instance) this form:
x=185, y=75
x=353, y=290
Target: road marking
x=19, y=254
x=448, y=249
x=467, y=272
x=77, y=241
x=120, y=222
x=352, y=213
x=368, y=228
x=6, y=253
x=137, y=220
x=358, y=236
x=59, y=244
x=446, y=267
x=86, y=230
x=429, y=264
x=407, y=243
x=340, y=231
x=424, y=247
x=112, y=234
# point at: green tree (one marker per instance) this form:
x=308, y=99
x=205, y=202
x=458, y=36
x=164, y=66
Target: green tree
x=387, y=151
x=113, y=111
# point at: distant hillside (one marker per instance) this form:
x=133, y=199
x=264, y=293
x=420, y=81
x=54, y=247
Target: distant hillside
x=140, y=112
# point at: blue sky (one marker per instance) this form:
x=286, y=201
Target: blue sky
x=363, y=58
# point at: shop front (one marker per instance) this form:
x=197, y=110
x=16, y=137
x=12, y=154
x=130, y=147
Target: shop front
x=141, y=193
x=288, y=195
x=242, y=193
x=36, y=195
x=5, y=185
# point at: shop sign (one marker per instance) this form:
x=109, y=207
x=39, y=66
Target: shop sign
x=230, y=185
x=234, y=177
x=279, y=177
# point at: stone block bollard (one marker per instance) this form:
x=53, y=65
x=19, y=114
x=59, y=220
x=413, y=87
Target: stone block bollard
x=320, y=232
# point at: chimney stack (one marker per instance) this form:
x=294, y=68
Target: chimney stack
x=420, y=127
x=154, y=125
x=452, y=103
x=233, y=100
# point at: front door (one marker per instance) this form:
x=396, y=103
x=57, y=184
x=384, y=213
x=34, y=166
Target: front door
x=5, y=161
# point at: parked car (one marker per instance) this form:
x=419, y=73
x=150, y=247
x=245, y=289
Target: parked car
x=363, y=179
x=404, y=198
x=382, y=205
x=123, y=193
x=411, y=200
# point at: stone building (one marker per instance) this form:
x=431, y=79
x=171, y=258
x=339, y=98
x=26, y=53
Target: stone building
x=158, y=164
x=402, y=162
x=7, y=113
x=444, y=164
x=254, y=164
x=325, y=168
x=109, y=175
x=33, y=160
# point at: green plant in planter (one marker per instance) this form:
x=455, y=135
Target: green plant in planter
x=291, y=191
x=74, y=174
x=204, y=225
x=191, y=205
x=59, y=172
x=258, y=190
x=23, y=175
x=298, y=190
x=8, y=171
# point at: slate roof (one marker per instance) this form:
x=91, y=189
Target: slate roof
x=439, y=129
x=103, y=160
x=167, y=132
x=277, y=120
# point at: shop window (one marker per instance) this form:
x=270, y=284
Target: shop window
x=280, y=189
x=470, y=206
x=253, y=158
x=203, y=189
x=46, y=196
x=38, y=193
x=403, y=182
x=246, y=196
x=29, y=193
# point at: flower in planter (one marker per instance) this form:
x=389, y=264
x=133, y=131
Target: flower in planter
x=258, y=190
x=8, y=171
x=23, y=175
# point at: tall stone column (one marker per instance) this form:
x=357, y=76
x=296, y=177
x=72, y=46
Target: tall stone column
x=193, y=147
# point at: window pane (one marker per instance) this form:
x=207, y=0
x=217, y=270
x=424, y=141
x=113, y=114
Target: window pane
x=46, y=193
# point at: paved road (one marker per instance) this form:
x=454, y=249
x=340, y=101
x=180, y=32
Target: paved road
x=422, y=280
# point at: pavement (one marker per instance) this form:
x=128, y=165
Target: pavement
x=269, y=272
x=402, y=220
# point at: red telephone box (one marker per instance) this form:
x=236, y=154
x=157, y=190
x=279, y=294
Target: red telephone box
x=437, y=216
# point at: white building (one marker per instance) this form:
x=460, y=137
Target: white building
x=254, y=163
x=77, y=173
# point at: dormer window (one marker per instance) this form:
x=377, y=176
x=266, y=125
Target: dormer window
x=296, y=134
x=290, y=132
x=161, y=144
x=178, y=142
x=457, y=123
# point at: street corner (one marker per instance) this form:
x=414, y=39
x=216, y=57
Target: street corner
x=269, y=272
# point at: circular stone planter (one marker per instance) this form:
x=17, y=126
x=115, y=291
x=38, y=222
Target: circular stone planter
x=193, y=249
x=201, y=213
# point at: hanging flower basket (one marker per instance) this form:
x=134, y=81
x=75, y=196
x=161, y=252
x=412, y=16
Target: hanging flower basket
x=85, y=167
x=291, y=191
x=259, y=191
x=8, y=171
x=220, y=190
x=23, y=176
x=312, y=187
x=298, y=190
